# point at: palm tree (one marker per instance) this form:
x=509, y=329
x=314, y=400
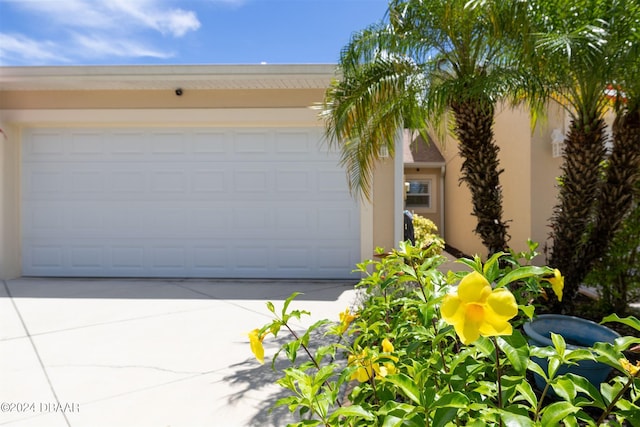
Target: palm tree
x=582, y=46
x=623, y=165
x=427, y=59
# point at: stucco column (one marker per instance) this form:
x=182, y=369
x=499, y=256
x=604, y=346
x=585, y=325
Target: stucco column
x=9, y=202
x=398, y=190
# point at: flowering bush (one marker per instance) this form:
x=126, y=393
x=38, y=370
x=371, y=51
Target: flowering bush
x=429, y=349
x=426, y=234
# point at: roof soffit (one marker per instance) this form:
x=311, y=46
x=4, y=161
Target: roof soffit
x=192, y=77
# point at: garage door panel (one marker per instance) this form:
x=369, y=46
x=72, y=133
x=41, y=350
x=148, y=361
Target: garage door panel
x=128, y=258
x=210, y=144
x=88, y=257
x=185, y=203
x=87, y=145
x=127, y=145
x=46, y=145
x=251, y=180
x=293, y=142
x=252, y=144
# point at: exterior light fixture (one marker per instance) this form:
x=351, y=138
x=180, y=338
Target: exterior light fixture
x=557, y=143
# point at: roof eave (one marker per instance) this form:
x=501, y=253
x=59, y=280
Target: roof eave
x=140, y=77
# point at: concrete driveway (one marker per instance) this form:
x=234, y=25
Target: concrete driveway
x=107, y=352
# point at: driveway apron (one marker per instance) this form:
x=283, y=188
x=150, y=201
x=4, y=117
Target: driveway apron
x=146, y=352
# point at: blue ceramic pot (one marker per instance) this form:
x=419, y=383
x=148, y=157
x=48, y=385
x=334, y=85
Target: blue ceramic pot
x=577, y=333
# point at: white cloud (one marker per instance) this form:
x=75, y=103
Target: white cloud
x=71, y=13
x=99, y=47
x=177, y=22
x=16, y=46
x=116, y=14
x=96, y=29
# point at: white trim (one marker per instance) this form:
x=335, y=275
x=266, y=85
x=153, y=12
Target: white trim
x=257, y=117
x=247, y=76
x=366, y=229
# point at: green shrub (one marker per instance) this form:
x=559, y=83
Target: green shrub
x=426, y=234
x=408, y=357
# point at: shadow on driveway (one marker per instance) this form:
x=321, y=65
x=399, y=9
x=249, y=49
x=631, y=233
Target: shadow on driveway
x=226, y=289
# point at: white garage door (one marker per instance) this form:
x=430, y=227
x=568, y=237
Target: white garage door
x=185, y=203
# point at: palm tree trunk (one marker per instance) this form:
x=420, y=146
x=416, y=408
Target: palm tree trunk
x=481, y=170
x=616, y=197
x=573, y=216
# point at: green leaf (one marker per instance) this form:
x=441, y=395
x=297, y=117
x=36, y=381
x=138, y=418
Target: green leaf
x=287, y=302
x=608, y=354
x=583, y=385
x=559, y=344
x=631, y=321
x=556, y=412
x=352, y=411
x=526, y=391
x=553, y=366
x=623, y=343
x=564, y=388
x=510, y=419
x=305, y=423
x=474, y=264
x=486, y=347
x=491, y=267
x=451, y=400
x=610, y=391
x=270, y=307
x=517, y=351
x=522, y=273
x=528, y=310
x=443, y=416
x=408, y=387
x=578, y=355
x=291, y=350
x=537, y=369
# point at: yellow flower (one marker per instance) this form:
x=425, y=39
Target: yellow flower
x=345, y=320
x=634, y=370
x=478, y=310
x=364, y=364
x=255, y=340
x=387, y=347
x=387, y=368
x=557, y=283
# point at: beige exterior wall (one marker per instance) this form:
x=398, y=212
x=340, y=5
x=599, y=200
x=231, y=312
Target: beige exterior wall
x=154, y=99
x=545, y=171
x=459, y=223
x=9, y=202
x=528, y=182
x=513, y=135
x=383, y=206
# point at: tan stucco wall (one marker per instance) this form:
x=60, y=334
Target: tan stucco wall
x=240, y=98
x=545, y=170
x=459, y=223
x=513, y=135
x=9, y=202
x=528, y=183
x=383, y=205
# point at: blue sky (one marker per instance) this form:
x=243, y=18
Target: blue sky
x=124, y=32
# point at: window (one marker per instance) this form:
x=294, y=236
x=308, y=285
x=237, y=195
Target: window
x=418, y=193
